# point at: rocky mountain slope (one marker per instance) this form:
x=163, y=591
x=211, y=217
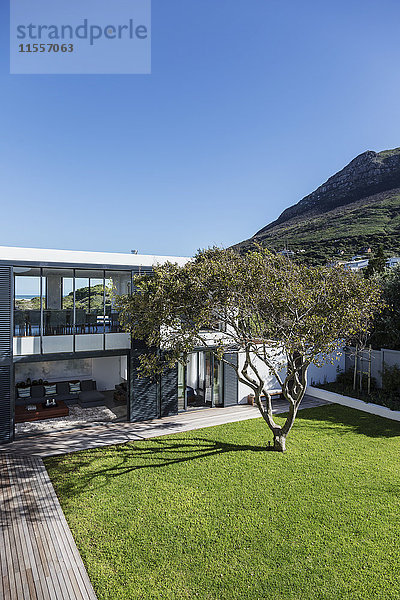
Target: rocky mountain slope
x=357, y=207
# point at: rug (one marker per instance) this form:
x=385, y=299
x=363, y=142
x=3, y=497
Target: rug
x=77, y=416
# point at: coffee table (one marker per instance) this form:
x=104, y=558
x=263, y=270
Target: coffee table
x=40, y=414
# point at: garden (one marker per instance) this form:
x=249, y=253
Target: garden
x=212, y=514
x=388, y=395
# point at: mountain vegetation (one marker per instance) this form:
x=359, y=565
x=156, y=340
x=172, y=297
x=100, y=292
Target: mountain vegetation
x=355, y=209
x=82, y=295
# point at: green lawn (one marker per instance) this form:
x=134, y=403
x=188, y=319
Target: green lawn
x=210, y=514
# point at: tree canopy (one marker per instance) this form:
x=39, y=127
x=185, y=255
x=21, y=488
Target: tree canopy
x=376, y=264
x=386, y=326
x=277, y=313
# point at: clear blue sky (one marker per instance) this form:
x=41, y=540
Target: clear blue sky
x=250, y=106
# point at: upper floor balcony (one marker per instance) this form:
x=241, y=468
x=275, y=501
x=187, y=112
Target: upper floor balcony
x=68, y=310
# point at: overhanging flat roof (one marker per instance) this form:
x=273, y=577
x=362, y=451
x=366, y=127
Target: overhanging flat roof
x=10, y=255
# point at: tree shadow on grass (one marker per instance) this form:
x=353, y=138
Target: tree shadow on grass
x=160, y=452
x=333, y=417
x=134, y=456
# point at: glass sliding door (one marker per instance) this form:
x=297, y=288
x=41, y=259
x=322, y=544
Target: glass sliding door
x=27, y=301
x=217, y=385
x=52, y=304
x=181, y=387
x=117, y=283
x=200, y=375
x=89, y=301
x=200, y=381
x=58, y=301
x=208, y=378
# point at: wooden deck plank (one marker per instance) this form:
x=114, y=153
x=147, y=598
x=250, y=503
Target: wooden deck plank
x=60, y=558
x=17, y=583
x=39, y=558
x=28, y=538
x=11, y=585
x=27, y=566
x=65, y=537
x=95, y=436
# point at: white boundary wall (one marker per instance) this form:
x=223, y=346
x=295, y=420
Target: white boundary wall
x=379, y=358
x=373, y=409
x=324, y=374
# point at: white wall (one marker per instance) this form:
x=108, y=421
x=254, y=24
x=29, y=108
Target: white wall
x=106, y=371
x=191, y=372
x=245, y=390
x=326, y=373
x=54, y=370
x=369, y=407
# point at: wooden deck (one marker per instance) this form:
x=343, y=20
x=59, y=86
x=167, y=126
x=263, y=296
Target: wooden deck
x=38, y=556
x=108, y=434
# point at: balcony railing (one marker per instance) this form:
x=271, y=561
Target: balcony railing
x=62, y=322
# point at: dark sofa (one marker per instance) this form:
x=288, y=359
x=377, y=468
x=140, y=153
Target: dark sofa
x=86, y=396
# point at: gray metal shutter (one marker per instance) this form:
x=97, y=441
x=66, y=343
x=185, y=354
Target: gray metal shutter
x=169, y=392
x=142, y=392
x=6, y=357
x=230, y=380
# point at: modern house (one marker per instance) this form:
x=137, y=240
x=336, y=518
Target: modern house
x=59, y=330
x=357, y=263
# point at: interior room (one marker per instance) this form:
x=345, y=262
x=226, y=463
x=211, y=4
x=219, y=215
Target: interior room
x=59, y=394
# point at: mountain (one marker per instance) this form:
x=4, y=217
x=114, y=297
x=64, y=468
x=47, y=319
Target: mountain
x=358, y=207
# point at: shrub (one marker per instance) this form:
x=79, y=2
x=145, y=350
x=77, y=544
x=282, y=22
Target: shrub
x=391, y=378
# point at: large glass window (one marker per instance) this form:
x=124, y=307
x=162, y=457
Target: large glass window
x=27, y=301
x=89, y=301
x=200, y=382
x=217, y=395
x=55, y=301
x=58, y=301
x=117, y=283
x=181, y=387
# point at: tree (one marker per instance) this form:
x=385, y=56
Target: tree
x=386, y=326
x=277, y=313
x=376, y=264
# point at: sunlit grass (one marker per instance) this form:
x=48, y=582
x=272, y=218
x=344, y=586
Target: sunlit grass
x=210, y=514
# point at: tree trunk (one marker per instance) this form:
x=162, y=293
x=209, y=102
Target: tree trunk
x=280, y=442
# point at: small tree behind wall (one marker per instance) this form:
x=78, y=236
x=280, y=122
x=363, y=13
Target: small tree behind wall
x=279, y=314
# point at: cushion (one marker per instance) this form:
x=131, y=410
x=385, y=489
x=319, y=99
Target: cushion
x=63, y=387
x=92, y=396
x=24, y=392
x=22, y=402
x=65, y=397
x=37, y=391
x=50, y=390
x=87, y=385
x=74, y=387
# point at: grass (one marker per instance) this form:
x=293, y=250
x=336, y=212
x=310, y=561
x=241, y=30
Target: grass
x=210, y=514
